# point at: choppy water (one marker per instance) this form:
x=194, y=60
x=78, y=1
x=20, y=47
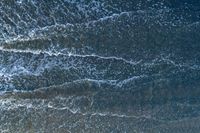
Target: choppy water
x=100, y=66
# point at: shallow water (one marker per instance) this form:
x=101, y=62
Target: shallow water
x=99, y=66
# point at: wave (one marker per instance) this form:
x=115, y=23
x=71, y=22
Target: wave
x=99, y=65
x=31, y=69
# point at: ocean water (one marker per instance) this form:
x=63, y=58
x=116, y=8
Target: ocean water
x=99, y=66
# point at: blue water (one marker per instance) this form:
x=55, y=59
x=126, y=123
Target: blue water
x=100, y=66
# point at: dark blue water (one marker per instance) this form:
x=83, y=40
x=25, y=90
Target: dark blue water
x=100, y=66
